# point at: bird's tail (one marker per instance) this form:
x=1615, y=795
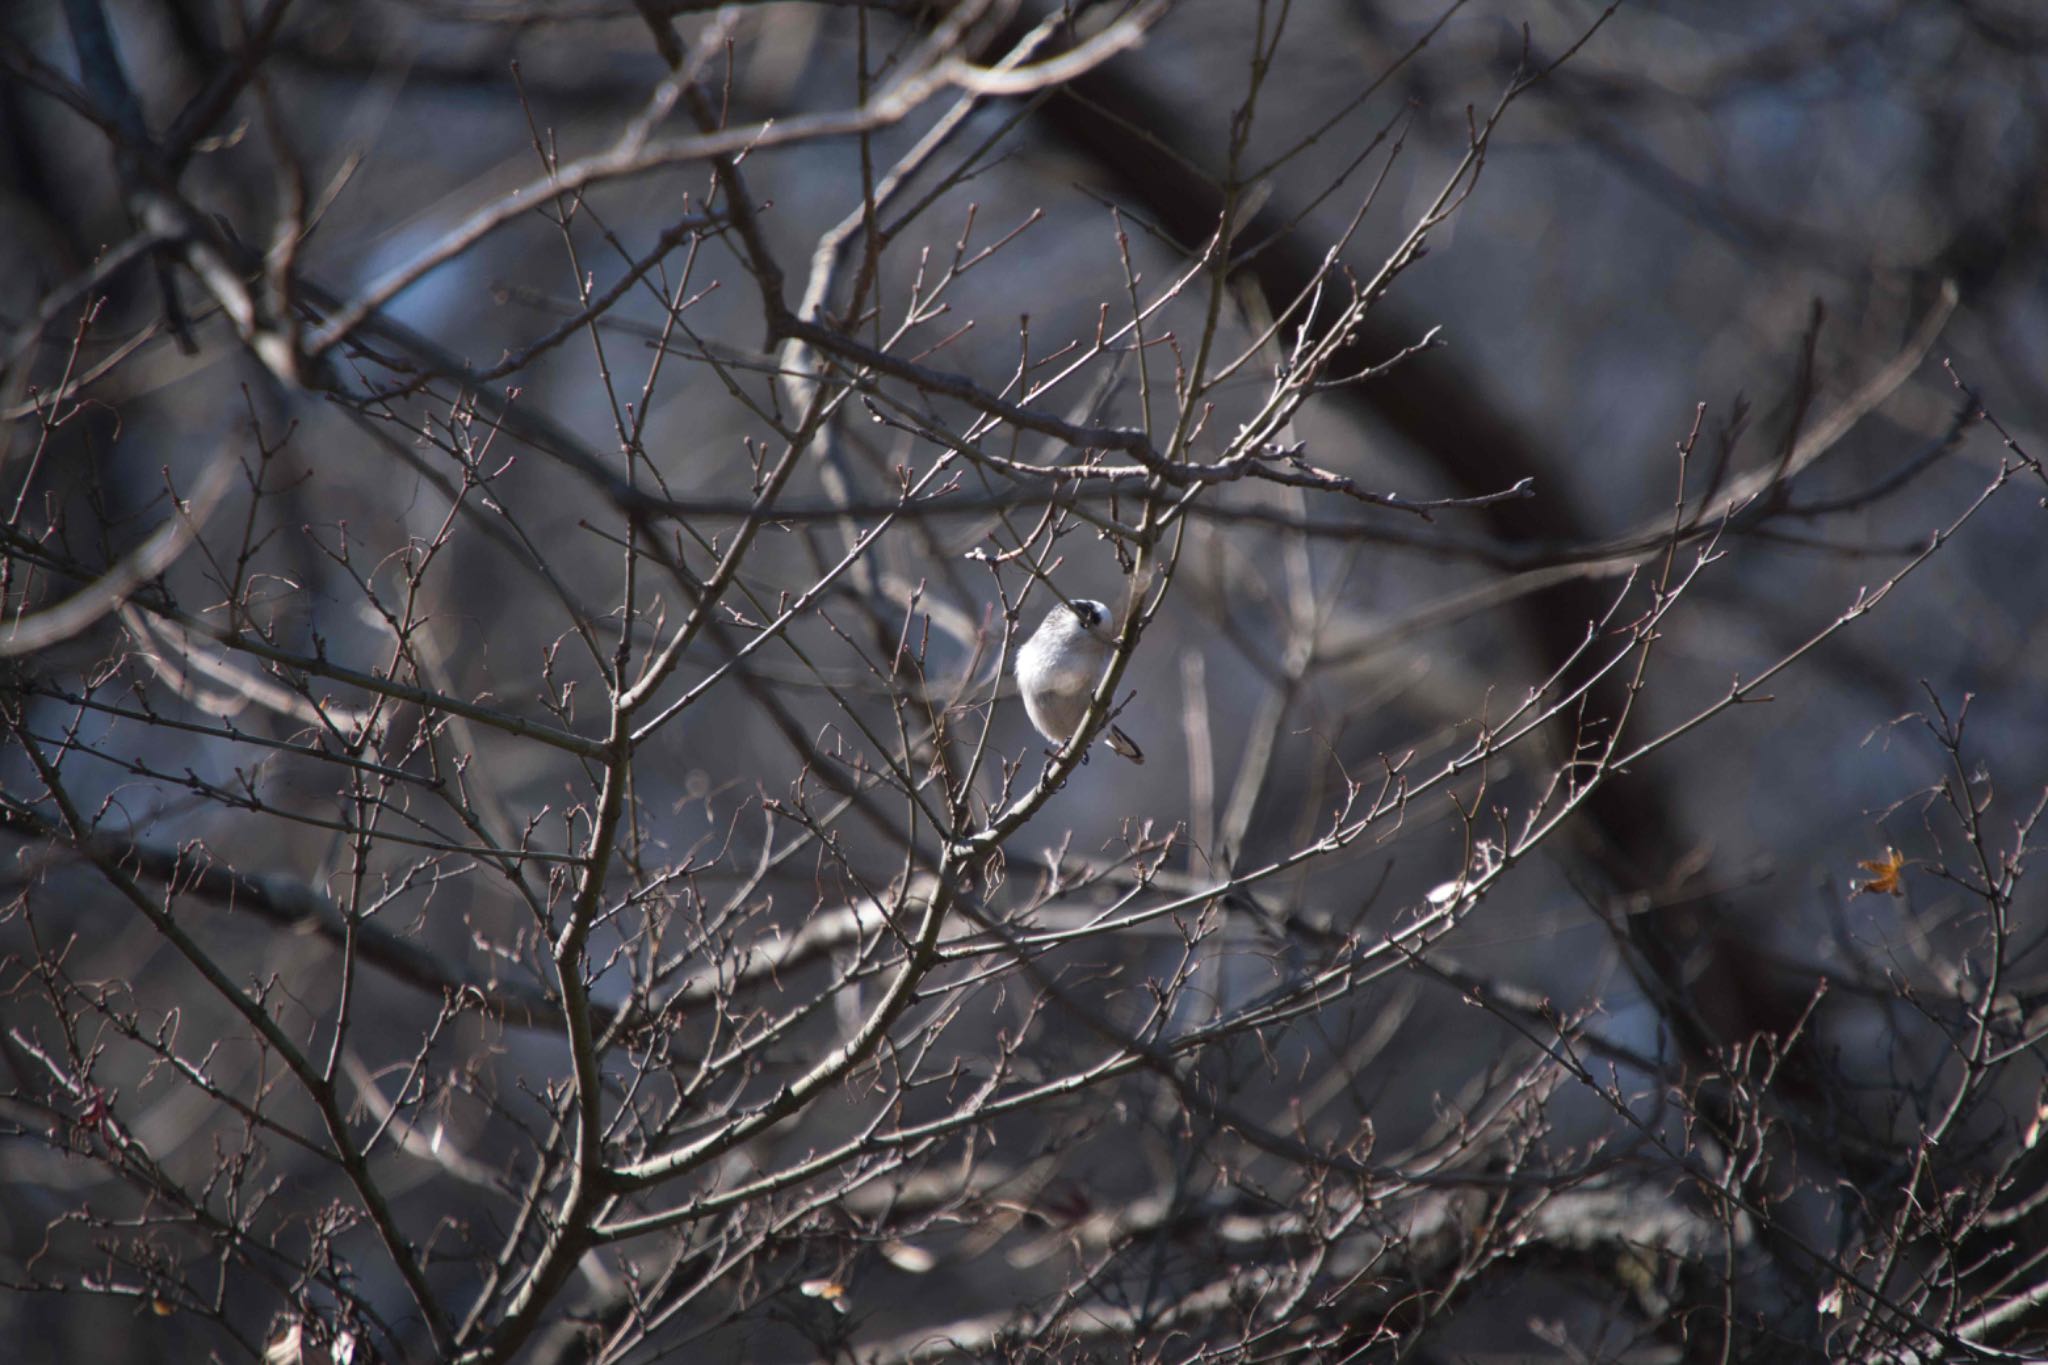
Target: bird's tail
x=1121, y=742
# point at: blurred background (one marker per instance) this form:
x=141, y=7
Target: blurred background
x=1805, y=243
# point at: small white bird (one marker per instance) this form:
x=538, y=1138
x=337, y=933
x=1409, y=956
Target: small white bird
x=1057, y=670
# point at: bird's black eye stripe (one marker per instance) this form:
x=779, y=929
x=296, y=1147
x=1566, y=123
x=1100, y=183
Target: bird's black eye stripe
x=1089, y=613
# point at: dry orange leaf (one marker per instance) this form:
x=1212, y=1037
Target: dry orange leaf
x=1884, y=874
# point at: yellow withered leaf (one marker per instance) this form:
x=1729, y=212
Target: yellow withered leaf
x=1884, y=874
